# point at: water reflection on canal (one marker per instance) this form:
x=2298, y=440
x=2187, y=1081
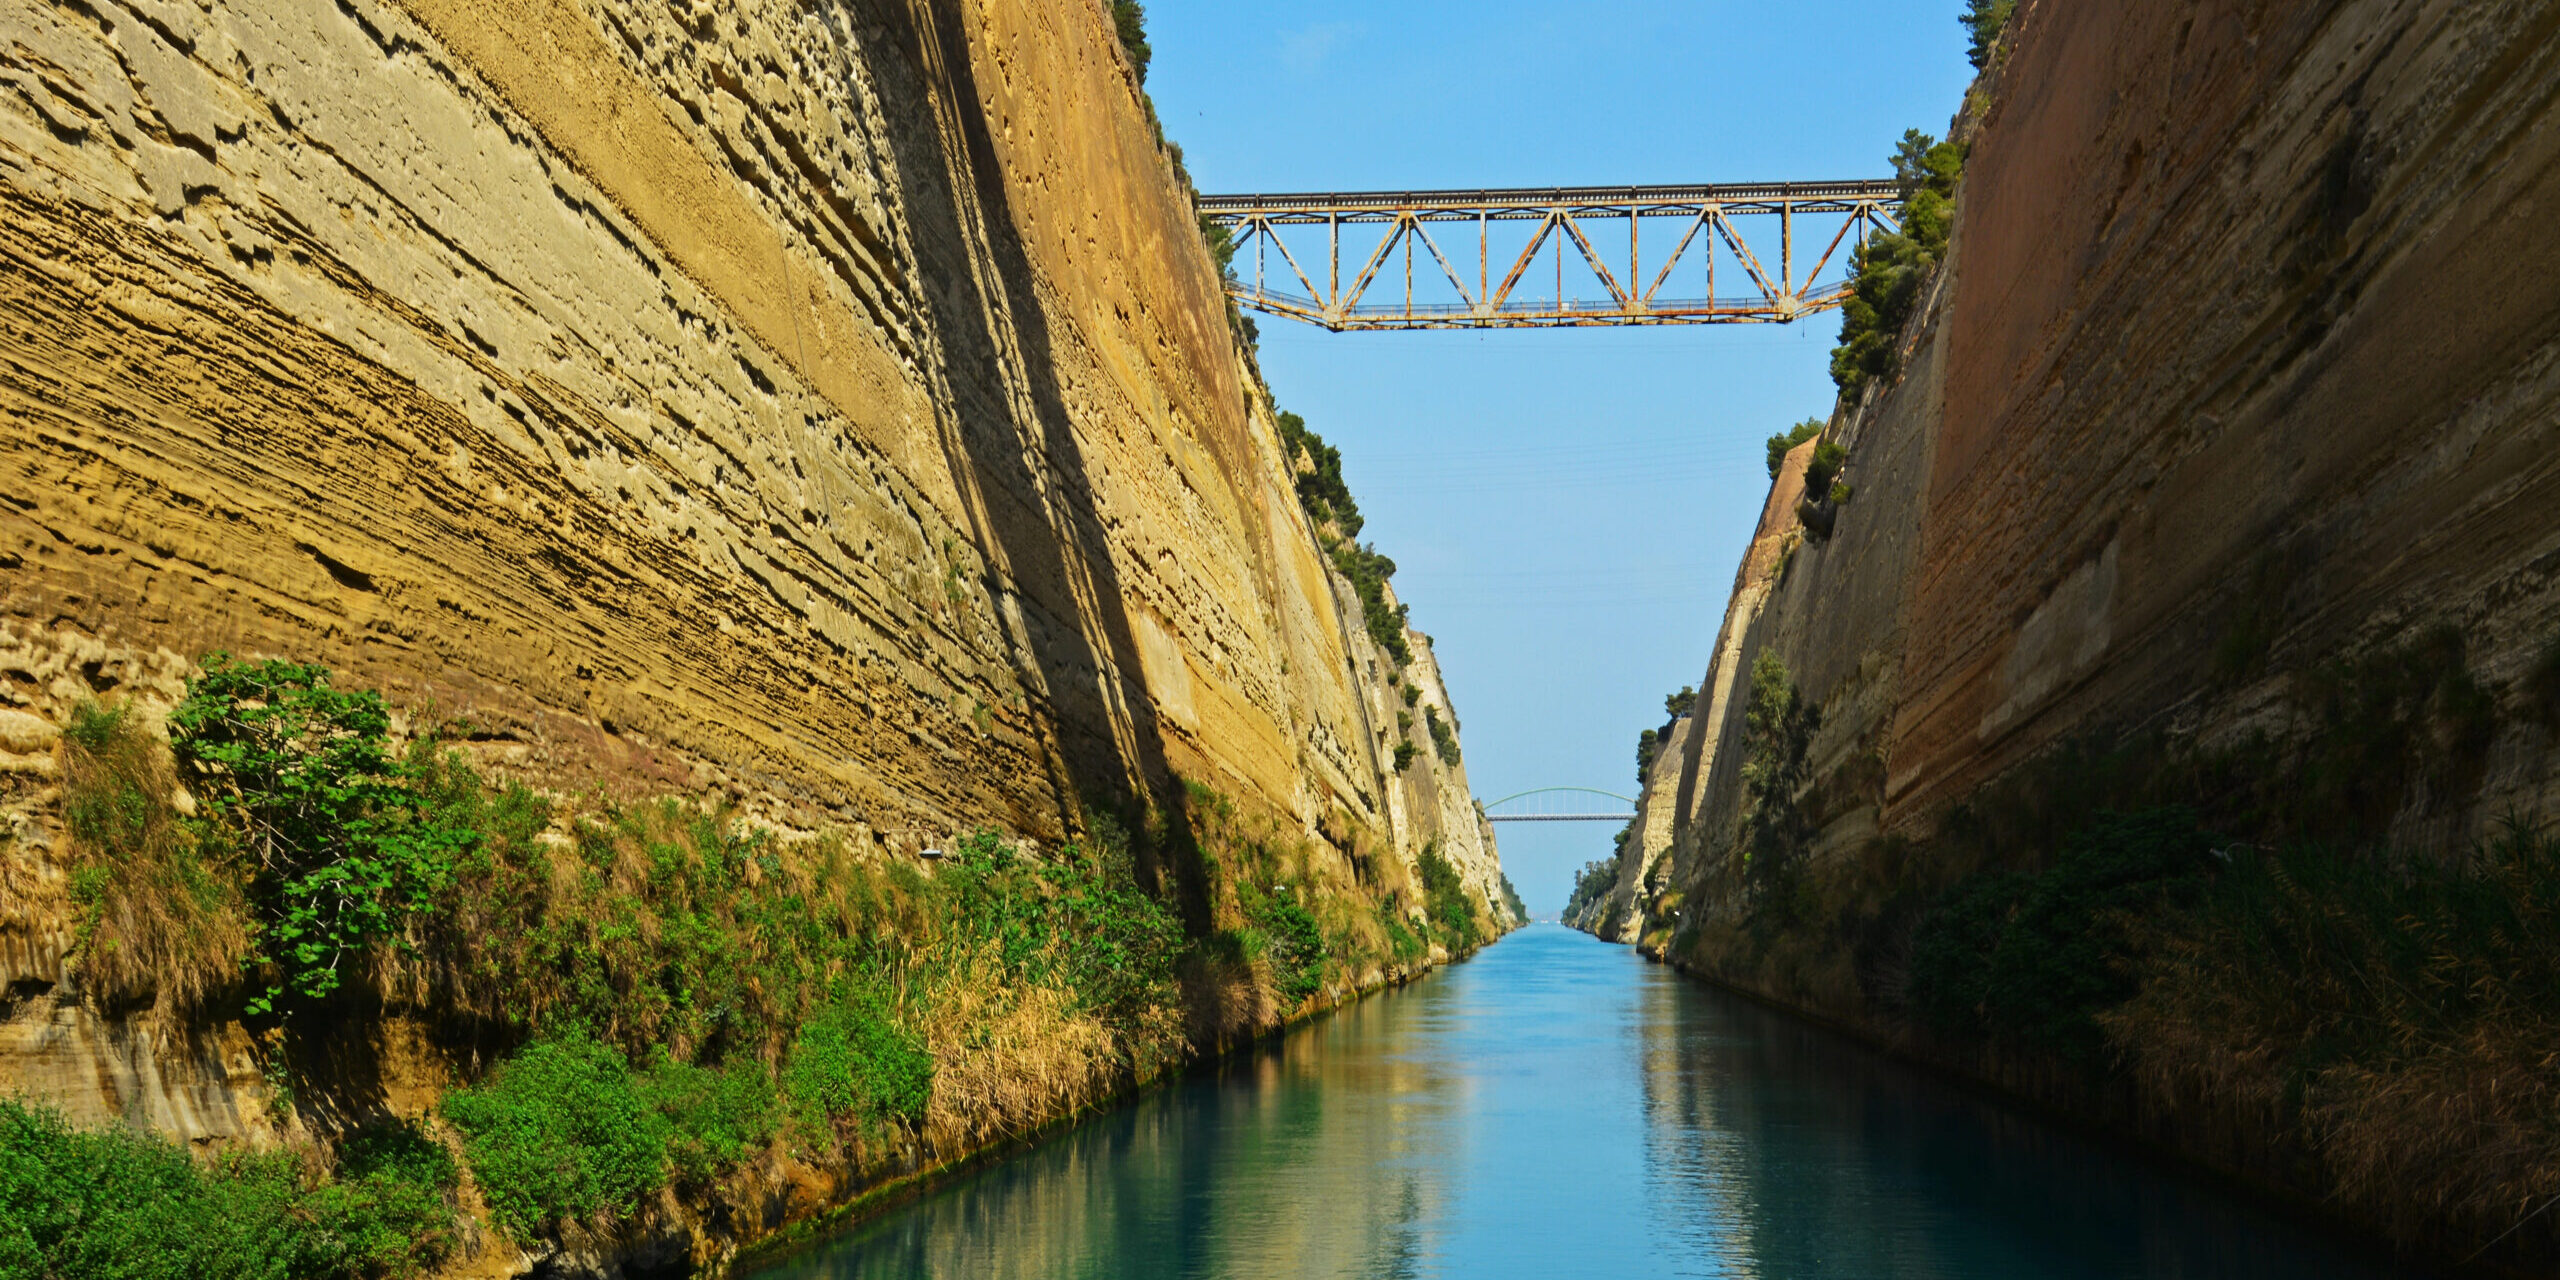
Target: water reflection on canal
x=1559, y=1108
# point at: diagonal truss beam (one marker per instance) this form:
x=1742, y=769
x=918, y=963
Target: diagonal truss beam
x=1576, y=214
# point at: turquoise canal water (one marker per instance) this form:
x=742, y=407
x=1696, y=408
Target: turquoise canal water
x=1557, y=1108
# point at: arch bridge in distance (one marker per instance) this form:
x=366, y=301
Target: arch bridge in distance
x=1549, y=804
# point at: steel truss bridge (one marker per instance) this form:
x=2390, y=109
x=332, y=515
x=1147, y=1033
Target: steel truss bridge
x=1759, y=286
x=1546, y=804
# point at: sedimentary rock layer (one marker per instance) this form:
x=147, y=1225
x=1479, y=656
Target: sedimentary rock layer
x=829, y=406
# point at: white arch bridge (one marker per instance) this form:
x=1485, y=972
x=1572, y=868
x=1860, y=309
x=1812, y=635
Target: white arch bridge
x=1559, y=804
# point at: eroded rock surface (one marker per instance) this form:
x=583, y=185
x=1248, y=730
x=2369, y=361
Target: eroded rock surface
x=830, y=407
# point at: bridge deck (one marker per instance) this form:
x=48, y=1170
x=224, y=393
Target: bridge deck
x=1705, y=215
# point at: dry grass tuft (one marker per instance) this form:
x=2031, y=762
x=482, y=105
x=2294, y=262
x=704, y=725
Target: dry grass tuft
x=160, y=924
x=1008, y=1057
x=2403, y=1019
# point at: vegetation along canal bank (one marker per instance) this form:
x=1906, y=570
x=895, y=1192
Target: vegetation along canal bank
x=623, y=626
x=2143, y=691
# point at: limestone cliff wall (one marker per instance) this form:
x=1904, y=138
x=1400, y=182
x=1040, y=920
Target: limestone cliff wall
x=2242, y=328
x=831, y=406
x=2243, y=367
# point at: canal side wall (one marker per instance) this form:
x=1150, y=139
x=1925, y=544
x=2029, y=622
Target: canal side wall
x=2239, y=383
x=825, y=413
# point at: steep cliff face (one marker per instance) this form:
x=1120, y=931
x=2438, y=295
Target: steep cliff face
x=2237, y=390
x=830, y=408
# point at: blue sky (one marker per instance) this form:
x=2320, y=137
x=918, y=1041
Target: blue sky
x=1566, y=507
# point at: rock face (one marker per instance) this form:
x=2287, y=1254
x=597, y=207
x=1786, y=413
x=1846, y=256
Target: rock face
x=2244, y=364
x=830, y=406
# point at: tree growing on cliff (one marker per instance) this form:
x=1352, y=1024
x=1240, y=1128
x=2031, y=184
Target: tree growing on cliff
x=295, y=776
x=1887, y=272
x=1786, y=441
x=1682, y=703
x=1778, y=726
x=1317, y=467
x=1983, y=22
x=1129, y=20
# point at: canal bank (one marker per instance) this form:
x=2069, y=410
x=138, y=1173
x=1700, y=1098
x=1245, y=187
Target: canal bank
x=1558, y=1106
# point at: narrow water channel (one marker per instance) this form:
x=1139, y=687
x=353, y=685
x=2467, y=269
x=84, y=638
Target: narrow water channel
x=1557, y=1107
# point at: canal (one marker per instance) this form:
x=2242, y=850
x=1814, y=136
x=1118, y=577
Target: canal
x=1557, y=1107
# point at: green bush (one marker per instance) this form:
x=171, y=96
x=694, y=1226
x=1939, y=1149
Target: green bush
x=1292, y=941
x=1222, y=246
x=562, y=1130
x=1129, y=22
x=716, y=1117
x=78, y=1204
x=1888, y=270
x=1081, y=920
x=1676, y=705
x=1369, y=571
x=1823, y=466
x=2034, y=960
x=1329, y=506
x=1783, y=443
x=1451, y=913
x=295, y=775
x=1594, y=882
x=1778, y=728
x=1321, y=489
x=1444, y=738
x=854, y=1061
x=1951, y=949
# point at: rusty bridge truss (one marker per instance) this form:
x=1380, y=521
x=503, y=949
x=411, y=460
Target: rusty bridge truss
x=1354, y=241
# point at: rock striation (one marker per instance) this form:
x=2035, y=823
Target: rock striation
x=830, y=407
x=2243, y=367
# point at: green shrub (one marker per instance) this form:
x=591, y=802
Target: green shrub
x=1129, y=22
x=716, y=1117
x=1783, y=443
x=1080, y=920
x=1679, y=704
x=2035, y=960
x=1888, y=270
x=1369, y=571
x=1595, y=881
x=1405, y=752
x=1329, y=506
x=1293, y=943
x=1444, y=737
x=561, y=1130
x=1778, y=728
x=1222, y=246
x=388, y=1210
x=854, y=1061
x=1452, y=914
x=1825, y=464
x=294, y=775
x=1321, y=489
x=1951, y=949
x=79, y=1204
